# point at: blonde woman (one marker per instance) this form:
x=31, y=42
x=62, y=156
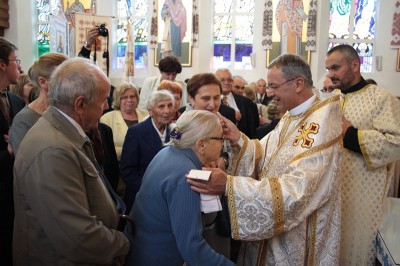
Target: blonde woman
x=39, y=75
x=125, y=113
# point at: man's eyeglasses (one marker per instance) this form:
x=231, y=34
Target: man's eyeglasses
x=228, y=80
x=18, y=61
x=276, y=86
x=222, y=139
x=239, y=87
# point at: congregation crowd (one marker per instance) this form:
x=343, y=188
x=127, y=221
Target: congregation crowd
x=93, y=174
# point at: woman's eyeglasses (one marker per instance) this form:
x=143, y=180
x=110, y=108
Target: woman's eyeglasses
x=222, y=139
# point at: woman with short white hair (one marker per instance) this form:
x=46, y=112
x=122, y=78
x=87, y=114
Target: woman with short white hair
x=143, y=141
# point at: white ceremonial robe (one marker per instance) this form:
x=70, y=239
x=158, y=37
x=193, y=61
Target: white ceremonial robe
x=284, y=197
x=366, y=177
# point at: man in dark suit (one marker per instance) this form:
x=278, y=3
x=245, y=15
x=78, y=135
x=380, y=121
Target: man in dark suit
x=246, y=110
x=261, y=92
x=10, y=105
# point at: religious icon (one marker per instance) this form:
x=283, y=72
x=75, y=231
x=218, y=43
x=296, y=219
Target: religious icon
x=175, y=13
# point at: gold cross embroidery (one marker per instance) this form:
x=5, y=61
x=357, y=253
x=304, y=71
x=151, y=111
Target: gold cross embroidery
x=307, y=141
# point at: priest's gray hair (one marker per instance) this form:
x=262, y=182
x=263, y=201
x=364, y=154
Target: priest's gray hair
x=293, y=66
x=194, y=125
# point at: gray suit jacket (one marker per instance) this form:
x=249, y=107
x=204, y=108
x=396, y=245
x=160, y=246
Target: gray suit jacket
x=63, y=211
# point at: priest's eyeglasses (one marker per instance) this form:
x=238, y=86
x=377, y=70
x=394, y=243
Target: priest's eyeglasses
x=277, y=86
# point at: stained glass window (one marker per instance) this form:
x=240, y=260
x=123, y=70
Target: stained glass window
x=353, y=22
x=44, y=9
x=233, y=33
x=136, y=11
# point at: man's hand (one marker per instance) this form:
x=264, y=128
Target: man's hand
x=345, y=125
x=264, y=120
x=92, y=36
x=231, y=132
x=238, y=116
x=214, y=186
x=9, y=148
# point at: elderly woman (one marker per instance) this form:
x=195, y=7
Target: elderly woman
x=39, y=75
x=125, y=113
x=143, y=141
x=167, y=212
x=176, y=89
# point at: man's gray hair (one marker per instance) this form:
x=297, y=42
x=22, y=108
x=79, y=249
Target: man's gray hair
x=158, y=96
x=293, y=66
x=239, y=77
x=194, y=125
x=223, y=69
x=73, y=78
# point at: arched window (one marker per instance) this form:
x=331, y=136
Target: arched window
x=136, y=11
x=45, y=8
x=353, y=22
x=233, y=33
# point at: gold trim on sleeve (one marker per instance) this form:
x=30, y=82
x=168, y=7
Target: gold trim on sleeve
x=232, y=208
x=277, y=200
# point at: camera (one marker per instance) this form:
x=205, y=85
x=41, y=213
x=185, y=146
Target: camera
x=103, y=31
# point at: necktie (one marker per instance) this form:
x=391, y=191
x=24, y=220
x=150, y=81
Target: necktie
x=97, y=145
x=225, y=100
x=5, y=107
x=118, y=201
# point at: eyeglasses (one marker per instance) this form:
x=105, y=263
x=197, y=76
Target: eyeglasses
x=130, y=97
x=239, y=87
x=228, y=80
x=276, y=86
x=18, y=61
x=222, y=139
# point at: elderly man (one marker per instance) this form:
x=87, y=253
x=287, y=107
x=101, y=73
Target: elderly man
x=246, y=111
x=64, y=208
x=238, y=85
x=371, y=141
x=284, y=198
x=261, y=92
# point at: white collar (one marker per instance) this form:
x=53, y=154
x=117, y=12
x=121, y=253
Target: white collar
x=302, y=107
